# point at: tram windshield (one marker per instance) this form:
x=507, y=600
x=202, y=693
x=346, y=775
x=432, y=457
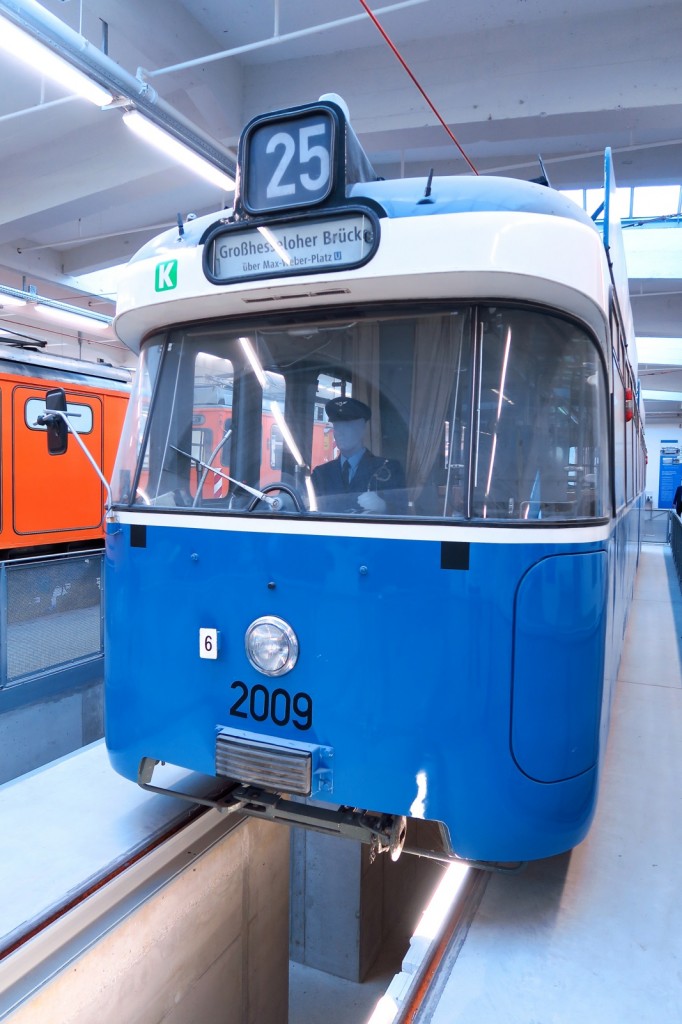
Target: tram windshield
x=484, y=413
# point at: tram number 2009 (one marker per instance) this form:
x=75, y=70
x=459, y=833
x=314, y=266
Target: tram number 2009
x=280, y=707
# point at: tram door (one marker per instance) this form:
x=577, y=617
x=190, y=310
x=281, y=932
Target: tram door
x=53, y=495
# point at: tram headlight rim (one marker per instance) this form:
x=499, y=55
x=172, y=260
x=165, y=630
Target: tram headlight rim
x=271, y=630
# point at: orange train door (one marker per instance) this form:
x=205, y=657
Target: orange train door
x=54, y=496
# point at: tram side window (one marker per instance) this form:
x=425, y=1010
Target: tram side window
x=630, y=448
x=412, y=375
x=541, y=417
x=629, y=462
x=440, y=416
x=619, y=430
x=178, y=426
x=211, y=436
x=131, y=469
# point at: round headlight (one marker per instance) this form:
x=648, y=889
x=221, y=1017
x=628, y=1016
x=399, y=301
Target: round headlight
x=271, y=646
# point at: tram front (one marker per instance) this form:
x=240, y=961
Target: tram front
x=328, y=503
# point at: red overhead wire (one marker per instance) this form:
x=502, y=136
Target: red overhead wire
x=424, y=94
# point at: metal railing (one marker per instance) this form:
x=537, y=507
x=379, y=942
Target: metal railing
x=655, y=524
x=676, y=543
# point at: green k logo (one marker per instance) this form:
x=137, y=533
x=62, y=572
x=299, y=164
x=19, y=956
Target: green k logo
x=166, y=276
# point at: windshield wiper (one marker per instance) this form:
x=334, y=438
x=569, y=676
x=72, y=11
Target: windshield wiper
x=204, y=465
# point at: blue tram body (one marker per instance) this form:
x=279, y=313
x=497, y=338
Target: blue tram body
x=447, y=652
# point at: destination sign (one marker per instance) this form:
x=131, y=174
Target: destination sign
x=288, y=160
x=295, y=247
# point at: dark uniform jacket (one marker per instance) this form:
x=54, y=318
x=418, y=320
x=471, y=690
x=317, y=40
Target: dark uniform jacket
x=385, y=476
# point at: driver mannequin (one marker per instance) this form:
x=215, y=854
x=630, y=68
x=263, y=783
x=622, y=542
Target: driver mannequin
x=357, y=481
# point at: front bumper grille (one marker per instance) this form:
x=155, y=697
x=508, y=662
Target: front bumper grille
x=258, y=763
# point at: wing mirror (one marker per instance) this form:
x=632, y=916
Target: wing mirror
x=54, y=419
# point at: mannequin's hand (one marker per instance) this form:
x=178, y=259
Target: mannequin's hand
x=369, y=501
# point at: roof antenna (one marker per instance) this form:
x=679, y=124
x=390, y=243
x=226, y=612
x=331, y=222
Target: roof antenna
x=427, y=191
x=180, y=225
x=544, y=177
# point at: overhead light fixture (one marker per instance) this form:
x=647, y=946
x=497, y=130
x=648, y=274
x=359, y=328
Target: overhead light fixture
x=70, y=316
x=39, y=57
x=79, y=321
x=11, y=300
x=161, y=140
x=662, y=396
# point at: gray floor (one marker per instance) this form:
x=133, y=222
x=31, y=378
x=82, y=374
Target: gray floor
x=58, y=845
x=596, y=936
x=317, y=998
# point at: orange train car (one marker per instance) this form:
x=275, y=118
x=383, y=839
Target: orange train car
x=52, y=505
x=211, y=435
x=210, y=423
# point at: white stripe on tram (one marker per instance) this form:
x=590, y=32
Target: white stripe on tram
x=370, y=530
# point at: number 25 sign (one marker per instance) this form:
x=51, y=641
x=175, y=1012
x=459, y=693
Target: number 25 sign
x=288, y=161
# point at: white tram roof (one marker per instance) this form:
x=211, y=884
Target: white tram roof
x=404, y=197
x=494, y=245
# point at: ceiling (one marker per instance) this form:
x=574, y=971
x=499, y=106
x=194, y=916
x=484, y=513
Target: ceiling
x=511, y=78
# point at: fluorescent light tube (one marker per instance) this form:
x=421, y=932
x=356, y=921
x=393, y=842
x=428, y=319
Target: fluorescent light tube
x=22, y=45
x=80, y=322
x=179, y=152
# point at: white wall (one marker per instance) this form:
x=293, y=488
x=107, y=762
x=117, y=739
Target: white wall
x=654, y=434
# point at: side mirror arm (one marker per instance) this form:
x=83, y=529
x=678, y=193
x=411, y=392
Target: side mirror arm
x=49, y=418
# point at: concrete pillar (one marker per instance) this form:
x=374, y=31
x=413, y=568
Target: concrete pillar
x=345, y=908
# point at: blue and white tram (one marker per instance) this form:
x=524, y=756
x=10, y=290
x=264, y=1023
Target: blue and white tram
x=445, y=649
